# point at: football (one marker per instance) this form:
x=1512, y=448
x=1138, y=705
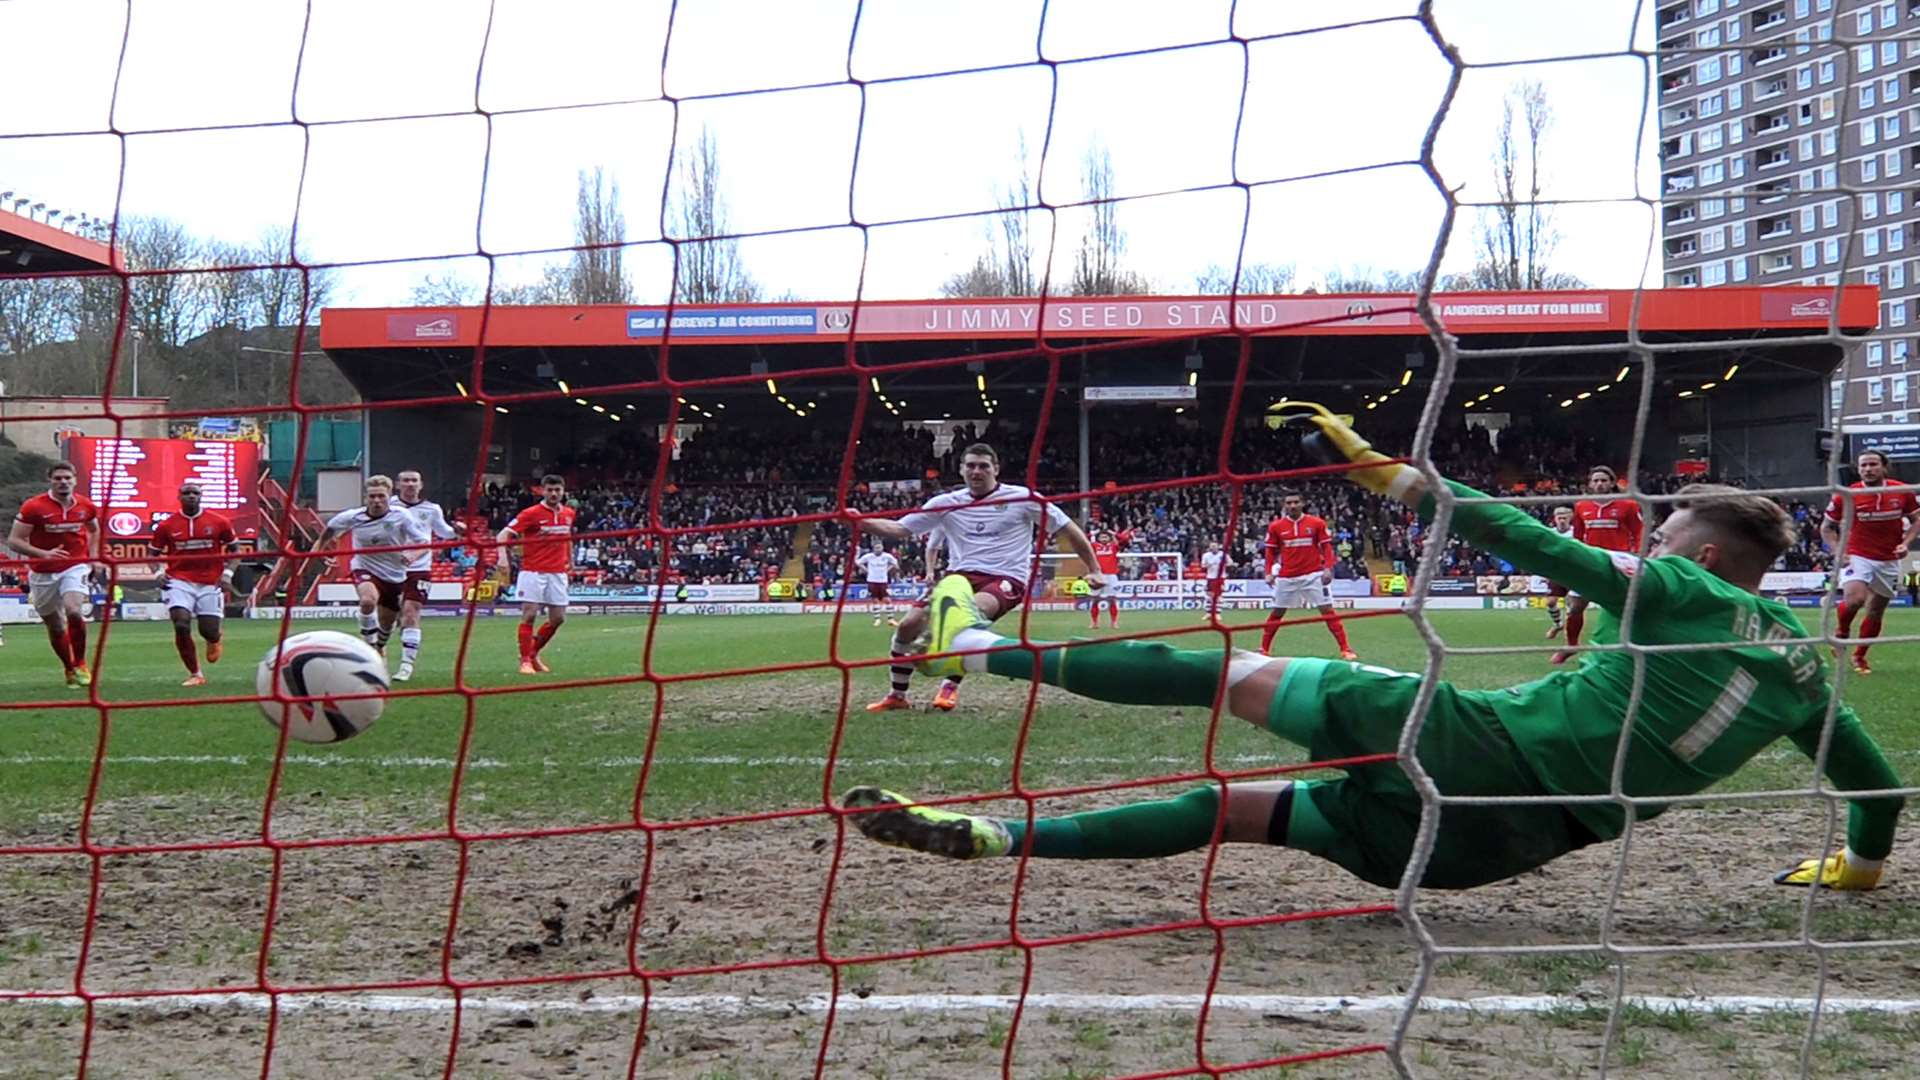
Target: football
x=323, y=666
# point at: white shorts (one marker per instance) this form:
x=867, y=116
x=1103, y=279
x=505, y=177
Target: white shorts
x=210, y=600
x=45, y=590
x=1880, y=575
x=1305, y=591
x=534, y=587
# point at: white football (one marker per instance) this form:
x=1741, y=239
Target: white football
x=323, y=666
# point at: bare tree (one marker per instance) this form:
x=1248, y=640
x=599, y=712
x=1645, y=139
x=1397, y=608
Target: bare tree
x=32, y=311
x=1096, y=266
x=1516, y=234
x=1005, y=268
x=596, y=276
x=708, y=269
x=285, y=294
x=445, y=290
x=1255, y=278
x=1366, y=279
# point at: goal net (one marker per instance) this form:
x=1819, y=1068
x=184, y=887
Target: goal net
x=748, y=279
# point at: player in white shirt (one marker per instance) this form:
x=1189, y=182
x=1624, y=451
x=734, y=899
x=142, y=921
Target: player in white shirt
x=1213, y=567
x=987, y=529
x=433, y=521
x=1556, y=609
x=880, y=566
x=379, y=576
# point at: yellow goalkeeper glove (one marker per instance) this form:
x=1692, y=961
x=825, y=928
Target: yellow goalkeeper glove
x=1843, y=871
x=1335, y=442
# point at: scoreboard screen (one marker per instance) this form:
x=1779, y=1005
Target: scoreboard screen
x=136, y=482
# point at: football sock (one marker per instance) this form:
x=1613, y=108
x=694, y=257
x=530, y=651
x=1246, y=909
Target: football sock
x=1274, y=619
x=369, y=626
x=77, y=640
x=1869, y=629
x=1113, y=612
x=900, y=674
x=1338, y=629
x=1845, y=616
x=544, y=635
x=1145, y=830
x=409, y=644
x=1558, y=616
x=183, y=644
x=1576, y=622
x=1123, y=672
x=526, y=641
x=57, y=635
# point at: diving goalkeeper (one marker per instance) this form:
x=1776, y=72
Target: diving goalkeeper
x=1702, y=714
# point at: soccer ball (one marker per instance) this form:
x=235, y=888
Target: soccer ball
x=319, y=665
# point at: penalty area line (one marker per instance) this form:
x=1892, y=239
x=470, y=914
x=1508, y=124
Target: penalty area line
x=735, y=1005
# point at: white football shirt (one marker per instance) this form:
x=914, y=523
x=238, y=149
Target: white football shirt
x=1214, y=564
x=879, y=566
x=395, y=528
x=989, y=535
x=433, y=521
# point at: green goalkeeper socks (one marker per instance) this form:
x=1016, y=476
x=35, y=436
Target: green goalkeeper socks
x=1148, y=830
x=1123, y=672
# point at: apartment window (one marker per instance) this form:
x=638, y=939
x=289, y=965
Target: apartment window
x=1889, y=53
x=1871, y=276
x=1897, y=313
x=1713, y=240
x=1890, y=91
x=1733, y=92
x=1827, y=140
x=1870, y=242
x=1893, y=167
x=1900, y=351
x=1809, y=253
x=1805, y=112
x=1737, y=168
x=1832, y=244
x=1800, y=8
x=1826, y=106
x=1733, y=30
x=1806, y=219
x=1838, y=392
x=1864, y=21
x=1706, y=7
x=1775, y=262
x=1870, y=168
x=1869, y=132
x=1876, y=354
x=1806, y=148
x=1738, y=206
x=1803, y=78
x=1876, y=391
x=1896, y=238
x=1739, y=238
x=1713, y=172
x=1713, y=274
x=1869, y=205
x=1896, y=201
x=1890, y=127
x=1897, y=275
x=1830, y=176
x=1712, y=208
x=1710, y=139
x=1707, y=71
x=1823, y=5
x=1711, y=106
x=1899, y=387
x=1826, y=72
x=1708, y=38
x=1830, y=213
x=1888, y=16
x=1867, y=95
x=1739, y=269
x=1863, y=58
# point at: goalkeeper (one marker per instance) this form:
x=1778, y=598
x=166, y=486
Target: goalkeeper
x=1702, y=714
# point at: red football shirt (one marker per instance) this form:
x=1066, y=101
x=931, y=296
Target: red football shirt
x=1879, y=520
x=1302, y=547
x=1108, y=555
x=547, y=532
x=1608, y=524
x=206, y=532
x=58, y=528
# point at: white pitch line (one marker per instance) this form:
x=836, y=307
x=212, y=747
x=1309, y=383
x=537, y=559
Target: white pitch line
x=727, y=760
x=730, y=1004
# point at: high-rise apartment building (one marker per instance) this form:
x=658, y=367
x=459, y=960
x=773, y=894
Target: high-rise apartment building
x=1771, y=108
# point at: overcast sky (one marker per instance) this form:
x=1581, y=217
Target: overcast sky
x=436, y=188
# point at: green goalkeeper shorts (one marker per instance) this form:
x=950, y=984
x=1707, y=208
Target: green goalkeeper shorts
x=1367, y=820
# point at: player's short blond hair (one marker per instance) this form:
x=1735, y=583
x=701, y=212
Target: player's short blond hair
x=379, y=480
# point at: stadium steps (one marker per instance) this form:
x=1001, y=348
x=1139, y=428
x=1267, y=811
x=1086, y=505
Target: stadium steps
x=795, y=566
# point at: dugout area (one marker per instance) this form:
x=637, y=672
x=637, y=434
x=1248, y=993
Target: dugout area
x=1739, y=374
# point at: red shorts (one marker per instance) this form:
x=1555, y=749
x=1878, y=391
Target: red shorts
x=1009, y=592
x=393, y=592
x=877, y=590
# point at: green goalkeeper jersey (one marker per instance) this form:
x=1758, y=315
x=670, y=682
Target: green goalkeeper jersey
x=1702, y=714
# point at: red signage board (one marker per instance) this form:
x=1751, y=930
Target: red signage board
x=136, y=482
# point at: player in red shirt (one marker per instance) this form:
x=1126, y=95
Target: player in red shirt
x=1107, y=546
x=196, y=587
x=1884, y=526
x=59, y=533
x=1610, y=524
x=1300, y=562
x=546, y=559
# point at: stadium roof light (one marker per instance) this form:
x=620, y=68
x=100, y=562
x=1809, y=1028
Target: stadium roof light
x=1622, y=376
x=874, y=381
x=600, y=408
x=1583, y=395
x=500, y=409
x=1372, y=405
x=772, y=389
x=579, y=401
x=1732, y=370
x=682, y=401
x=1686, y=393
x=1499, y=388
x=630, y=406
x=717, y=405
x=1406, y=377
x=980, y=381
x=1193, y=379
x=564, y=388
x=1483, y=397
x=1708, y=385
x=1566, y=403
x=614, y=416
x=460, y=386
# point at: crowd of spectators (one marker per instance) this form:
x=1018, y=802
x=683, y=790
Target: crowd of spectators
x=723, y=476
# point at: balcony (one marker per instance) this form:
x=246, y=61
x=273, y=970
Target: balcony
x=1773, y=157
x=1775, y=263
x=1679, y=182
x=1681, y=249
x=1768, y=19
x=1771, y=88
x=1675, y=14
x=1772, y=228
x=1772, y=192
x=1678, y=146
x=1761, y=57
x=1681, y=214
x=1678, y=81
x=1678, y=114
x=1768, y=122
